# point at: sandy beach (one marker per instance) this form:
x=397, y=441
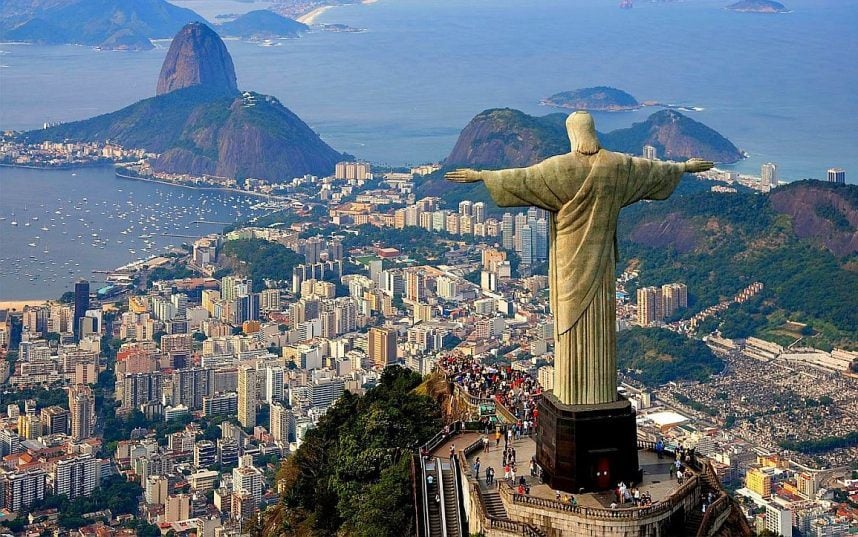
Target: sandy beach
x=18, y=305
x=310, y=17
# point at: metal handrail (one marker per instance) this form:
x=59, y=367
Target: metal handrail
x=457, y=477
x=426, y=499
x=597, y=512
x=440, y=481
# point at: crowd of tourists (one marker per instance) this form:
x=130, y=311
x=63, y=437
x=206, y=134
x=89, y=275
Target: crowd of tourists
x=516, y=390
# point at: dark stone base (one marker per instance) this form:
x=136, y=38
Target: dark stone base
x=589, y=447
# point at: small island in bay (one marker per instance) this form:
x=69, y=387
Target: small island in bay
x=758, y=6
x=599, y=99
x=262, y=24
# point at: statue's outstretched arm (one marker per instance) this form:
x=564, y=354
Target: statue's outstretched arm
x=514, y=187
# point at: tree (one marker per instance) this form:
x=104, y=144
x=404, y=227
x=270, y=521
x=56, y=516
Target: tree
x=67, y=297
x=355, y=459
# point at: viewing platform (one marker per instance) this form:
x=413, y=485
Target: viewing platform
x=695, y=507
x=498, y=509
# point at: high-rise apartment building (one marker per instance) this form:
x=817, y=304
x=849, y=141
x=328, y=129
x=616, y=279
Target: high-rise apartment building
x=352, y=171
x=650, y=152
x=415, y=286
x=274, y=382
x=649, y=305
x=55, y=420
x=248, y=478
x=81, y=411
x=141, y=388
x=81, y=304
x=674, y=296
x=768, y=176
x=759, y=480
x=325, y=391
x=222, y=404
x=247, y=396
x=540, y=240
x=382, y=346
x=191, y=385
x=837, y=175
x=465, y=208
x=508, y=231
x=77, y=476
x=479, y=212
x=526, y=242
x=281, y=417
x=20, y=489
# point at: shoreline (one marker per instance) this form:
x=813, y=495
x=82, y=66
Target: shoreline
x=311, y=17
x=18, y=305
x=67, y=167
x=192, y=187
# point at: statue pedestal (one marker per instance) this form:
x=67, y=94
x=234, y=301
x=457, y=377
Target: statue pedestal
x=590, y=447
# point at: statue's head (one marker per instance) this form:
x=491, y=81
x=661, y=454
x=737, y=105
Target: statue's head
x=582, y=133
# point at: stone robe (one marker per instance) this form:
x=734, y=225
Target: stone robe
x=584, y=195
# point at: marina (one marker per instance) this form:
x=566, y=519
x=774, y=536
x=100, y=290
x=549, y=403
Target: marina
x=59, y=225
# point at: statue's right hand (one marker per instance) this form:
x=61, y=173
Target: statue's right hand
x=463, y=175
x=696, y=165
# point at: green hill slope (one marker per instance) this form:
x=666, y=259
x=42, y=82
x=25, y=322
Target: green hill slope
x=718, y=244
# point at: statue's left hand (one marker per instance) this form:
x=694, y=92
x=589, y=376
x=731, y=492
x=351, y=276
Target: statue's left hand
x=463, y=175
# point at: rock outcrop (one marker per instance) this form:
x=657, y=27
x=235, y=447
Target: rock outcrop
x=503, y=138
x=675, y=136
x=199, y=123
x=822, y=213
x=197, y=57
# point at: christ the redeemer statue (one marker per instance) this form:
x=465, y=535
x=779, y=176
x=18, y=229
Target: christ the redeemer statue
x=584, y=191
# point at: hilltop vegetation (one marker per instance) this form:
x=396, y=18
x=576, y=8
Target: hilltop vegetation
x=112, y=24
x=599, y=98
x=351, y=475
x=718, y=244
x=260, y=260
x=658, y=356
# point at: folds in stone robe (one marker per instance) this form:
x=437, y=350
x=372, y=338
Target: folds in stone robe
x=584, y=195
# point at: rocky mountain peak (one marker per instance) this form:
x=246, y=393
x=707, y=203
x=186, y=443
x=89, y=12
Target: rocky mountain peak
x=197, y=57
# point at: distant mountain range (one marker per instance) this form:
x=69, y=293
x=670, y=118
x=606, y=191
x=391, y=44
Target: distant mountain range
x=200, y=123
x=123, y=24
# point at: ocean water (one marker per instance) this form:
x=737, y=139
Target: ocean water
x=781, y=87
x=71, y=225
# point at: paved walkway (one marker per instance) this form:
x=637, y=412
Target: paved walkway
x=656, y=472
